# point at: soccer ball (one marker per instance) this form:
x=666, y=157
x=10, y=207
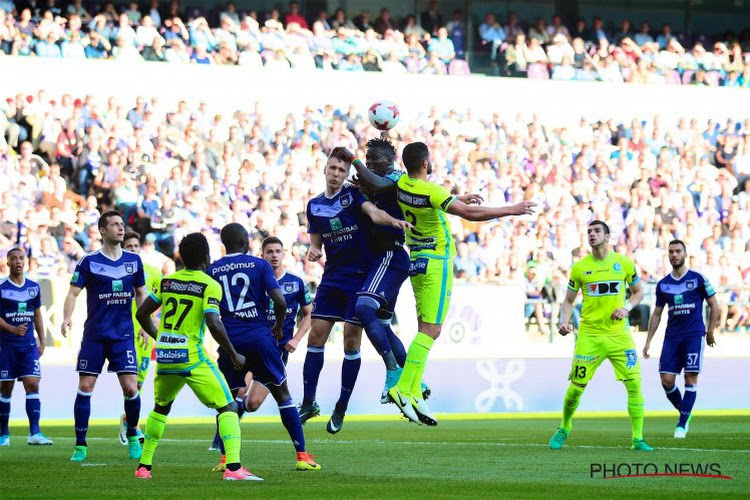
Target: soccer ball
x=383, y=115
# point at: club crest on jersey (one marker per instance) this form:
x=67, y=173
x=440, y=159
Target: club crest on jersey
x=631, y=358
x=690, y=285
x=33, y=292
x=130, y=267
x=290, y=287
x=345, y=200
x=617, y=266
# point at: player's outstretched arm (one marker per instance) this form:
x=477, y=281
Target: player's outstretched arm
x=219, y=333
x=369, y=180
x=143, y=315
x=382, y=218
x=68, y=307
x=478, y=213
x=279, y=310
x=713, y=319
x=566, y=310
x=653, y=324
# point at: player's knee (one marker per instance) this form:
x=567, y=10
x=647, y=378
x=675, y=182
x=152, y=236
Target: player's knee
x=365, y=309
x=253, y=402
x=32, y=386
x=578, y=384
x=162, y=409
x=352, y=343
x=233, y=407
x=691, y=378
x=86, y=386
x=632, y=385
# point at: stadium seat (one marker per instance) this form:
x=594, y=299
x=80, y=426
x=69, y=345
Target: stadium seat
x=687, y=76
x=537, y=71
x=458, y=67
x=673, y=77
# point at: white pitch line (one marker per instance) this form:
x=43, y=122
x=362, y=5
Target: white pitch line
x=424, y=443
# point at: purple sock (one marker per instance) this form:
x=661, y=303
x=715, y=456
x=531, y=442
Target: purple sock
x=33, y=410
x=674, y=396
x=81, y=413
x=311, y=373
x=349, y=371
x=687, y=404
x=4, y=414
x=132, y=413
x=290, y=419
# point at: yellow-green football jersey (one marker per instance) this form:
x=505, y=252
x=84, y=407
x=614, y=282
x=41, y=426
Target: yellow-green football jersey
x=424, y=205
x=186, y=296
x=603, y=284
x=153, y=277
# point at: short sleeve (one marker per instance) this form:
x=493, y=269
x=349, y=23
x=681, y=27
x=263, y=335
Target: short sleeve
x=394, y=175
x=267, y=277
x=155, y=294
x=661, y=297
x=304, y=298
x=212, y=298
x=574, y=283
x=440, y=198
x=707, y=290
x=37, y=302
x=139, y=279
x=358, y=197
x=631, y=273
x=312, y=225
x=80, y=273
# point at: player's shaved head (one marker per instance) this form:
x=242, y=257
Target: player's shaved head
x=598, y=222
x=678, y=242
x=194, y=251
x=234, y=236
x=414, y=156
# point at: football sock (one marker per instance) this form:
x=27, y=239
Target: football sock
x=687, y=404
x=635, y=406
x=570, y=404
x=229, y=429
x=414, y=364
x=132, y=413
x=311, y=373
x=33, y=410
x=4, y=414
x=154, y=431
x=81, y=413
x=399, y=351
x=349, y=371
x=365, y=311
x=674, y=396
x=241, y=406
x=290, y=419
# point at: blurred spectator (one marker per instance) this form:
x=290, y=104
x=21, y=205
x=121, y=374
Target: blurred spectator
x=293, y=16
x=431, y=19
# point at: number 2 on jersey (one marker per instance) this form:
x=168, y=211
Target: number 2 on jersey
x=411, y=218
x=241, y=301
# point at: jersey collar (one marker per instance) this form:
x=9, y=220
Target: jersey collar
x=681, y=277
x=281, y=277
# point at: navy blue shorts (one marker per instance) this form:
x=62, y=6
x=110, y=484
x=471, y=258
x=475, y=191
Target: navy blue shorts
x=120, y=354
x=334, y=304
x=17, y=362
x=682, y=353
x=389, y=271
x=263, y=359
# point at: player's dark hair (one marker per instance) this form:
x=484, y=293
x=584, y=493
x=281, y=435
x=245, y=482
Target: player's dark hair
x=678, y=242
x=15, y=249
x=600, y=223
x=414, y=156
x=383, y=144
x=129, y=235
x=104, y=218
x=271, y=240
x=234, y=237
x=194, y=250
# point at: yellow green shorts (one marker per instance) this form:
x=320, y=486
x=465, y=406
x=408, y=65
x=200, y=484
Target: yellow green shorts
x=432, y=282
x=592, y=350
x=206, y=381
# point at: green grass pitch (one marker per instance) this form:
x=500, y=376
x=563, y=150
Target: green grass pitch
x=387, y=458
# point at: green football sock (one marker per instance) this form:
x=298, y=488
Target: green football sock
x=425, y=342
x=229, y=430
x=416, y=357
x=572, y=398
x=154, y=432
x=635, y=407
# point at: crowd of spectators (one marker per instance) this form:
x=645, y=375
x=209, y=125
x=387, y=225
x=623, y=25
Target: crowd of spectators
x=616, y=55
x=275, y=40
x=175, y=170
x=425, y=43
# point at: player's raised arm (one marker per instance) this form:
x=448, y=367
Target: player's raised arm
x=143, y=315
x=369, y=180
x=382, y=218
x=713, y=319
x=219, y=333
x=478, y=213
x=68, y=307
x=653, y=324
